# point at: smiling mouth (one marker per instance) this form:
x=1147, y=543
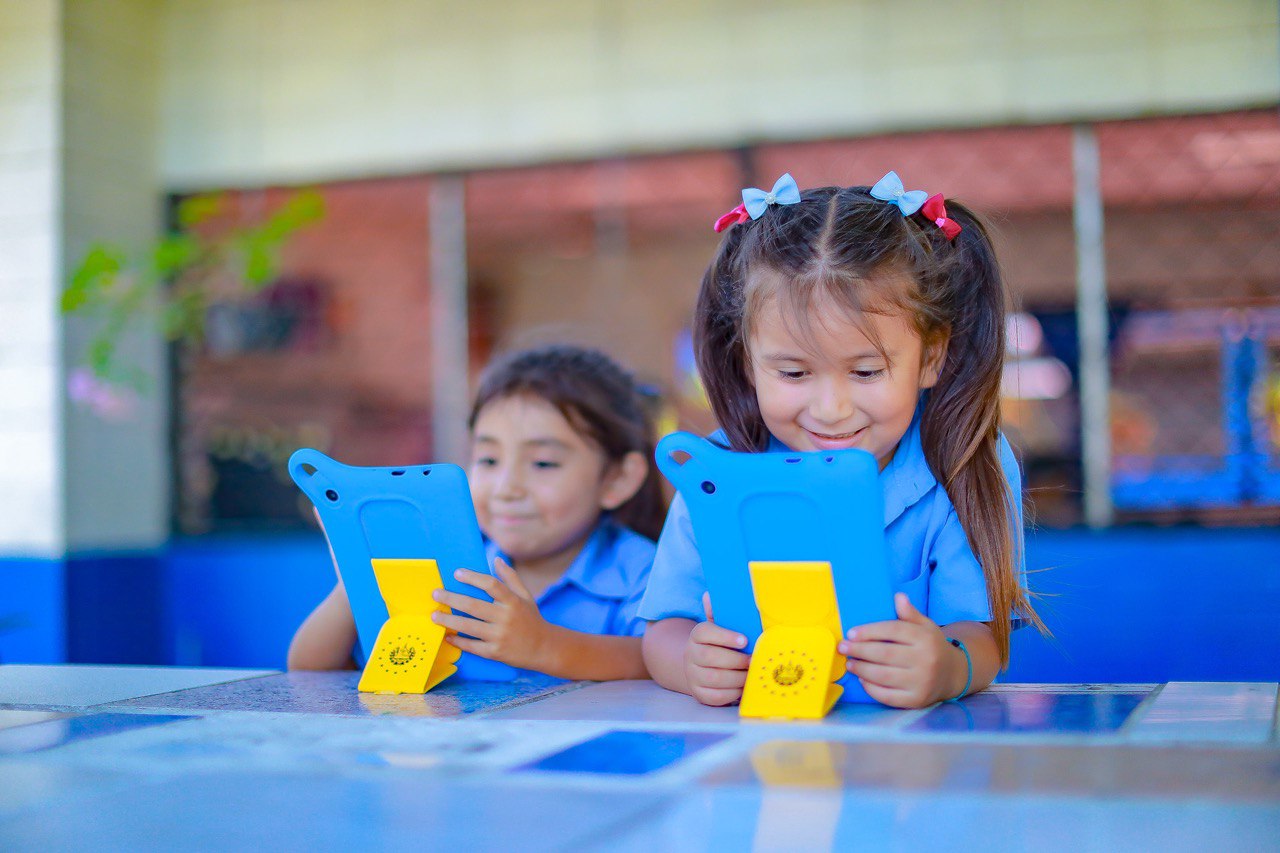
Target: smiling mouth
x=838, y=437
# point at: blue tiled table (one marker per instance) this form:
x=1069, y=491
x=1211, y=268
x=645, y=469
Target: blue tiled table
x=123, y=758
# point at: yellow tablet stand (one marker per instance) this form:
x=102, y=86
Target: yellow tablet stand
x=410, y=655
x=794, y=665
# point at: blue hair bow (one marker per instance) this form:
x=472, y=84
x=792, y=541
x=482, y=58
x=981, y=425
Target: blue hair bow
x=784, y=191
x=890, y=189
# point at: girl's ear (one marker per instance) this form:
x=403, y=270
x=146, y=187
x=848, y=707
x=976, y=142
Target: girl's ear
x=623, y=479
x=935, y=355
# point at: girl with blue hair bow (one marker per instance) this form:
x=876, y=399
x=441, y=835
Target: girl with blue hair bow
x=872, y=318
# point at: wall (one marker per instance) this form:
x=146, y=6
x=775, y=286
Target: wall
x=78, y=163
x=116, y=470
x=1125, y=605
x=30, y=240
x=262, y=91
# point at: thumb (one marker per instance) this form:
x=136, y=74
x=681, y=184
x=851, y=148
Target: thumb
x=706, y=605
x=511, y=578
x=907, y=611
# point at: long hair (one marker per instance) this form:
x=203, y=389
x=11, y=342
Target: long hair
x=839, y=246
x=599, y=399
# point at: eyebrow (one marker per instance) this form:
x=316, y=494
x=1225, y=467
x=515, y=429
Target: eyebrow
x=533, y=442
x=783, y=356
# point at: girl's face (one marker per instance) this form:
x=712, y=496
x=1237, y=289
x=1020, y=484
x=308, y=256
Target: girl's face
x=835, y=389
x=538, y=485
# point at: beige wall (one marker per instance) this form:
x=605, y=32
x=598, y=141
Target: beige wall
x=291, y=90
x=116, y=472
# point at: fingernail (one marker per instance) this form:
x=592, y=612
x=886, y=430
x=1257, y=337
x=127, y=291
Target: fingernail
x=853, y=633
x=740, y=640
x=457, y=574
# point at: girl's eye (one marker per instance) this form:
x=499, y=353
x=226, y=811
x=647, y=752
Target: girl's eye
x=869, y=374
x=546, y=463
x=486, y=461
x=792, y=374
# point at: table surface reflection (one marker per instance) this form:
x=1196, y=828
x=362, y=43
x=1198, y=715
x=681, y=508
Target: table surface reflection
x=227, y=759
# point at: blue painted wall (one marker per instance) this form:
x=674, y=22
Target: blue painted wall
x=115, y=608
x=1153, y=604
x=236, y=601
x=1130, y=604
x=32, y=618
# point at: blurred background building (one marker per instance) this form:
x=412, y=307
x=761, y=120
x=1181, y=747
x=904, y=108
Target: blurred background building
x=497, y=174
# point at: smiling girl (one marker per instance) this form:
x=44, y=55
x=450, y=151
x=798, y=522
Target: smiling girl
x=567, y=499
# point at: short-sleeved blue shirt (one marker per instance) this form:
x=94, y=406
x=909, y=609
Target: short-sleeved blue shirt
x=927, y=550
x=601, y=590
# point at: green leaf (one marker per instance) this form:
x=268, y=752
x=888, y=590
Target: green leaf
x=259, y=265
x=173, y=254
x=96, y=273
x=193, y=210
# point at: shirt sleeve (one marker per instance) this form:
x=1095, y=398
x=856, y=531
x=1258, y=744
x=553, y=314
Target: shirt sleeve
x=676, y=583
x=957, y=586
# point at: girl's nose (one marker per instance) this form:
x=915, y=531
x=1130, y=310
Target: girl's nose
x=832, y=403
x=510, y=483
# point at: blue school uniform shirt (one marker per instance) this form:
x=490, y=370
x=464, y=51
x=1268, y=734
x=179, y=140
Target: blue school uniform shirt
x=927, y=551
x=600, y=591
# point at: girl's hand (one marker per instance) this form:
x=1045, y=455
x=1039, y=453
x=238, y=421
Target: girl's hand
x=509, y=629
x=907, y=663
x=714, y=667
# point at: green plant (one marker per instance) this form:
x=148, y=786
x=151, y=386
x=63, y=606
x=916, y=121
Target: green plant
x=173, y=282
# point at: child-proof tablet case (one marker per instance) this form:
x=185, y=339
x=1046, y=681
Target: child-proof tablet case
x=818, y=506
x=421, y=512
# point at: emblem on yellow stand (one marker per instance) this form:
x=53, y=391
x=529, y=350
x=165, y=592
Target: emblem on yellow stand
x=410, y=655
x=794, y=666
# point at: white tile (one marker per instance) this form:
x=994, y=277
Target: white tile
x=27, y=388
x=28, y=122
x=83, y=686
x=1211, y=712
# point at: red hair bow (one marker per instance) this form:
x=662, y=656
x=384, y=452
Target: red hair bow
x=936, y=212
x=733, y=217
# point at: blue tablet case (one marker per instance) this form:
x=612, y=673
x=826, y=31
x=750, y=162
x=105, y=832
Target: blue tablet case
x=415, y=512
x=819, y=505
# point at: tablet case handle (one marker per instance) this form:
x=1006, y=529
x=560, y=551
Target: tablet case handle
x=690, y=472
x=315, y=483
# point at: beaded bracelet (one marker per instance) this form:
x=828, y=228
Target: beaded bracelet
x=968, y=679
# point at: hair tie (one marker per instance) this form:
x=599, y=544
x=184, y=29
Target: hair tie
x=733, y=217
x=756, y=201
x=890, y=189
x=936, y=212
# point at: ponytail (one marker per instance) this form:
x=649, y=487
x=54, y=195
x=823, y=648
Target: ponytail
x=961, y=422
x=843, y=242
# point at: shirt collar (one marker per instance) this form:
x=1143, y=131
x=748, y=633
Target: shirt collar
x=905, y=480
x=592, y=570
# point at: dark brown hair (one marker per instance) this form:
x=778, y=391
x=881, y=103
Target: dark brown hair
x=599, y=399
x=840, y=245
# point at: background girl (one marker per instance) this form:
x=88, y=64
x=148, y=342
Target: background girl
x=568, y=501
x=844, y=317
